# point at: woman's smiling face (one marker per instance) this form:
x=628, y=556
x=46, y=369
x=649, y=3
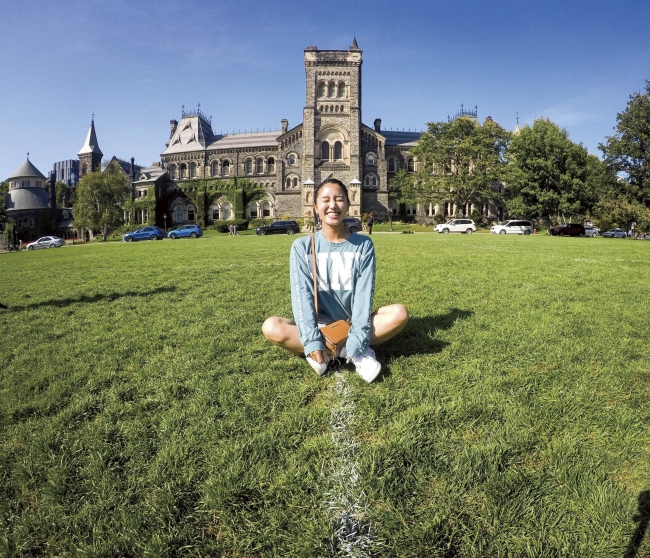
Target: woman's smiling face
x=332, y=204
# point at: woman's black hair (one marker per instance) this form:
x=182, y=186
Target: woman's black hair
x=317, y=189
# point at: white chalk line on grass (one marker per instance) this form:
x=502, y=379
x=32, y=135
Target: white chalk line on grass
x=346, y=501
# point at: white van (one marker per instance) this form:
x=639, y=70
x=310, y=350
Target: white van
x=466, y=226
x=513, y=227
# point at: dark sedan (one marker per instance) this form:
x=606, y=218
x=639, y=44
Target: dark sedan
x=144, y=233
x=279, y=227
x=571, y=229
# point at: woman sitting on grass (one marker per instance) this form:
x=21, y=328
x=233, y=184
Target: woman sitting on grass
x=346, y=284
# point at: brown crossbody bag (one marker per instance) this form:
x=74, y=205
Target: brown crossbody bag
x=335, y=335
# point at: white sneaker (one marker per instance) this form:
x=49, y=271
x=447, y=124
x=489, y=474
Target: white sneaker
x=320, y=367
x=343, y=353
x=366, y=364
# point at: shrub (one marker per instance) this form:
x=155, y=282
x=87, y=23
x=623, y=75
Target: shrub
x=260, y=222
x=223, y=226
x=439, y=219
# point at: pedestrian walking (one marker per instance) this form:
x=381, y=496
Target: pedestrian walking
x=369, y=223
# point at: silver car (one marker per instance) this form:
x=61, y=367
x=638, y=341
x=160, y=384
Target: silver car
x=46, y=242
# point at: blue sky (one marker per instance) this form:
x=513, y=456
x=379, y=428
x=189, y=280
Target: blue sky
x=134, y=64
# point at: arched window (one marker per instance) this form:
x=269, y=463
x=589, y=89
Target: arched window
x=248, y=166
x=331, y=90
x=227, y=211
x=214, y=168
x=192, y=170
x=270, y=165
x=410, y=166
x=252, y=210
x=324, y=151
x=183, y=171
x=179, y=216
x=295, y=182
x=288, y=183
x=341, y=89
x=172, y=172
x=370, y=159
x=338, y=151
x=225, y=168
x=266, y=209
x=391, y=165
x=292, y=159
x=322, y=89
x=260, y=166
x=190, y=213
x=215, y=212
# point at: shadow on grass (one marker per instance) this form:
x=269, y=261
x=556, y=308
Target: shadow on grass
x=419, y=337
x=60, y=303
x=642, y=518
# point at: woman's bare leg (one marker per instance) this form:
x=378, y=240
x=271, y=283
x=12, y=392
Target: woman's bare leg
x=283, y=333
x=387, y=322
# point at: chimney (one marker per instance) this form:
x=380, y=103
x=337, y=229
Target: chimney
x=377, y=124
x=173, y=124
x=52, y=181
x=132, y=170
x=285, y=125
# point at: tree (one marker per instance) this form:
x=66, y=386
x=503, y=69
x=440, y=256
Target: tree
x=549, y=175
x=628, y=150
x=62, y=189
x=4, y=187
x=459, y=161
x=100, y=196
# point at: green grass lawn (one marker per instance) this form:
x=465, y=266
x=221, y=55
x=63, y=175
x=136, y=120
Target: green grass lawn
x=142, y=413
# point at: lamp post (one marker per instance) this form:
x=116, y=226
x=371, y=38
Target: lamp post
x=165, y=220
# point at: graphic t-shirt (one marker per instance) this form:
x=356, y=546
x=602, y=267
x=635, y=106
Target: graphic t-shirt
x=346, y=285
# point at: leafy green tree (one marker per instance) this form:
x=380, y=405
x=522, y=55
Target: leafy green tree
x=628, y=150
x=61, y=189
x=459, y=161
x=549, y=175
x=100, y=196
x=622, y=212
x=4, y=187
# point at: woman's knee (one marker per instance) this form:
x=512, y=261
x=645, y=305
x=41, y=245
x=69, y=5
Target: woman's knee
x=400, y=315
x=271, y=328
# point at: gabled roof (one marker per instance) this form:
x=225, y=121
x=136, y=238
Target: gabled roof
x=401, y=139
x=27, y=170
x=148, y=175
x=255, y=139
x=192, y=134
x=91, y=145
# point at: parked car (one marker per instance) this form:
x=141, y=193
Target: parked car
x=279, y=227
x=571, y=229
x=615, y=233
x=513, y=227
x=465, y=226
x=353, y=224
x=185, y=231
x=592, y=232
x=144, y=233
x=46, y=242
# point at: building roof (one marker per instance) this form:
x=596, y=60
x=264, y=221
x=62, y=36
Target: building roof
x=192, y=134
x=401, y=139
x=253, y=139
x=27, y=170
x=91, y=145
x=126, y=166
x=149, y=175
x=25, y=199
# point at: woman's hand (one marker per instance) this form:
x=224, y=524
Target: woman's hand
x=318, y=356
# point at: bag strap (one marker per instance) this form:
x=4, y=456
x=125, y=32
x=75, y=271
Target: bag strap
x=314, y=271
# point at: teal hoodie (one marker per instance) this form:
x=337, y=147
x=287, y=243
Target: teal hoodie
x=346, y=286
